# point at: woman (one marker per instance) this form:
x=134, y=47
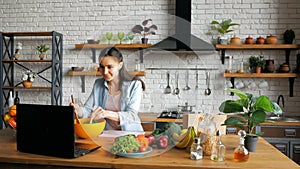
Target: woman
x=115, y=97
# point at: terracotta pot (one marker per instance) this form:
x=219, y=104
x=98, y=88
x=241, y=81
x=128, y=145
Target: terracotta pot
x=41, y=56
x=260, y=40
x=271, y=39
x=235, y=40
x=284, y=68
x=258, y=70
x=17, y=56
x=249, y=40
x=27, y=84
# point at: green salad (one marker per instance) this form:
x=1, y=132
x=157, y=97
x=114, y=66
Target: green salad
x=124, y=144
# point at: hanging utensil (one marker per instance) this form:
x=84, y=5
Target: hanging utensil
x=176, y=90
x=186, y=81
x=168, y=88
x=207, y=90
x=196, y=87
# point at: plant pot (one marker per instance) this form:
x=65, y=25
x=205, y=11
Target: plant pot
x=27, y=84
x=223, y=40
x=144, y=40
x=250, y=143
x=258, y=70
x=288, y=40
x=17, y=56
x=41, y=56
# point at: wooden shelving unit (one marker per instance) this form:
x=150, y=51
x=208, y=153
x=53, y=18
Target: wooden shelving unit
x=93, y=47
x=286, y=47
x=82, y=75
x=290, y=76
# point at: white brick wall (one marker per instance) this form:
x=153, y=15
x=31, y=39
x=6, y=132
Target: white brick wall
x=79, y=20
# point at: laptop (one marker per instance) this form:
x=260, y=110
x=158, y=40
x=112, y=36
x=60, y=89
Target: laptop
x=49, y=130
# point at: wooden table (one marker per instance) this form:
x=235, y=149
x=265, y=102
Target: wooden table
x=266, y=156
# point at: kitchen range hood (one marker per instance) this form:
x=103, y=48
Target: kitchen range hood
x=183, y=39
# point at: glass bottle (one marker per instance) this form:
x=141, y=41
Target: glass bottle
x=10, y=99
x=229, y=65
x=196, y=150
x=218, y=148
x=137, y=65
x=17, y=99
x=241, y=153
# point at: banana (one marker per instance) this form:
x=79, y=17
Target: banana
x=183, y=131
x=180, y=137
x=193, y=135
x=186, y=140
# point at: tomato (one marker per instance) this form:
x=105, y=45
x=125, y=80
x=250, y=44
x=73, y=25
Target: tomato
x=12, y=122
x=129, y=151
x=140, y=136
x=142, y=149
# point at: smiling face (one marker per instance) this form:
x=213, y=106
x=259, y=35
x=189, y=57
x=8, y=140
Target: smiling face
x=109, y=67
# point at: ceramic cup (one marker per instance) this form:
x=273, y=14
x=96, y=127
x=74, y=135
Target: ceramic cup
x=252, y=85
x=263, y=84
x=239, y=85
x=228, y=84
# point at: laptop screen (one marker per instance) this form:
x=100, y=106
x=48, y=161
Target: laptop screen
x=45, y=129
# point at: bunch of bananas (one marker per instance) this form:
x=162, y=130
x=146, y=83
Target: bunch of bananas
x=186, y=138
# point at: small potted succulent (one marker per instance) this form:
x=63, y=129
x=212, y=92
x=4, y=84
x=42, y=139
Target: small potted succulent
x=257, y=63
x=247, y=112
x=146, y=28
x=42, y=49
x=223, y=28
x=289, y=36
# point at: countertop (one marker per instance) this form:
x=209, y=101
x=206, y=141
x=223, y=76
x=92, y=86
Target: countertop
x=266, y=156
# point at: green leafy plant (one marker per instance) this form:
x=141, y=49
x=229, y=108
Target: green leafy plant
x=250, y=111
x=255, y=62
x=224, y=26
x=42, y=48
x=146, y=28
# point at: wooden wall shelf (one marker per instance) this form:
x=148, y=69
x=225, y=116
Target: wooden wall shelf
x=93, y=47
x=291, y=77
x=286, y=47
x=94, y=73
x=8, y=61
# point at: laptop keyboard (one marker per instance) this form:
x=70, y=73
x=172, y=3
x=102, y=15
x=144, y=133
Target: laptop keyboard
x=81, y=150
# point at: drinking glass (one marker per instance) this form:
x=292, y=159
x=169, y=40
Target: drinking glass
x=130, y=36
x=120, y=36
x=109, y=36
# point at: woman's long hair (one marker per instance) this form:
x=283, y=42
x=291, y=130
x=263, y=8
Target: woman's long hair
x=124, y=75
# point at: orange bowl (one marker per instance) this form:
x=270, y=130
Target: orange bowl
x=87, y=130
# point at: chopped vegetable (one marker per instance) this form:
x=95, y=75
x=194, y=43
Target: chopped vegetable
x=125, y=144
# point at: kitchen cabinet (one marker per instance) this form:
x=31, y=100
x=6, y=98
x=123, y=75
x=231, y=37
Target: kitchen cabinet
x=286, y=138
x=286, y=47
x=8, y=63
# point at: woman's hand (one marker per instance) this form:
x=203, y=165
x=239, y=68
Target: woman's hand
x=100, y=113
x=76, y=109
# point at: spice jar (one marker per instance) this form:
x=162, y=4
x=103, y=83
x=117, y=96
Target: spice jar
x=260, y=40
x=271, y=39
x=249, y=40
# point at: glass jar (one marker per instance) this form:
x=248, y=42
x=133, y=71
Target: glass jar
x=196, y=150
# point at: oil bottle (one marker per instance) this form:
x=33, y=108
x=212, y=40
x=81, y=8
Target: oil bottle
x=241, y=153
x=218, y=148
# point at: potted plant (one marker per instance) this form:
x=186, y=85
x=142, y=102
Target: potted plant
x=223, y=28
x=289, y=36
x=257, y=63
x=42, y=49
x=146, y=28
x=28, y=77
x=249, y=112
